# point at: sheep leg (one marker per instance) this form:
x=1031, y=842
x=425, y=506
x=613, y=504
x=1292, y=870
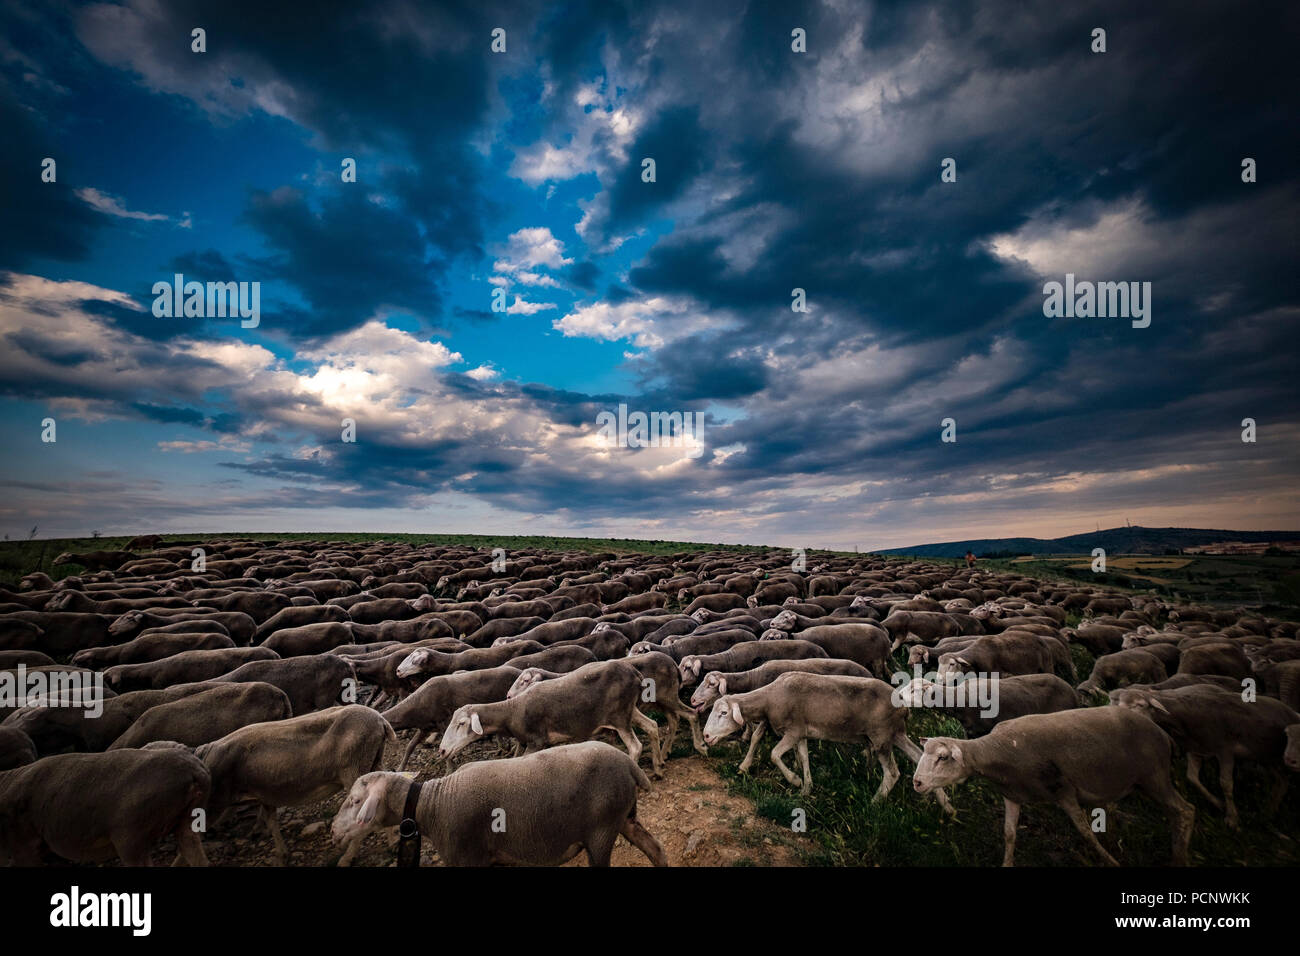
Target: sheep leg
x=271, y=816
x=1010, y=820
x=783, y=746
x=1194, y=778
x=189, y=845
x=410, y=749
x=643, y=840
x=599, y=848
x=1280, y=784
x=652, y=731
x=353, y=846
x=807, y=770
x=885, y=756
x=669, y=736
x=1080, y=820
x=697, y=737
x=1225, y=782
x=756, y=734
x=630, y=742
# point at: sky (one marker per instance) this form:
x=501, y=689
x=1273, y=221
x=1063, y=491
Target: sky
x=521, y=172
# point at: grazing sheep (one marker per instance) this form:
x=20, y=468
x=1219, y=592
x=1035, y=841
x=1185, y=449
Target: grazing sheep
x=89, y=808
x=556, y=803
x=285, y=763
x=1207, y=721
x=799, y=705
x=1089, y=757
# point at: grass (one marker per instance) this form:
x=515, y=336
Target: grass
x=845, y=828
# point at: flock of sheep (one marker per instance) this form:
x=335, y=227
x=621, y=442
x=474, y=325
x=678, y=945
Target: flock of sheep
x=274, y=674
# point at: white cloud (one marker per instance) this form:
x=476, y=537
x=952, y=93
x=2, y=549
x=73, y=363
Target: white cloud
x=647, y=323
x=113, y=206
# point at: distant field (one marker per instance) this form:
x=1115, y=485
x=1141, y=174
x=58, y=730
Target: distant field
x=1271, y=581
x=23, y=557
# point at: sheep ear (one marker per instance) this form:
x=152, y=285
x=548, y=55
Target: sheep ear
x=1155, y=702
x=954, y=752
x=369, y=807
x=475, y=724
x=923, y=740
x=722, y=685
x=735, y=713
x=962, y=660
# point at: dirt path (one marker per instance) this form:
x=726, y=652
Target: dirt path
x=689, y=812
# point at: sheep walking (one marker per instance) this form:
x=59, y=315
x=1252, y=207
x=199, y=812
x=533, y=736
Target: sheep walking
x=1075, y=758
x=539, y=810
x=799, y=705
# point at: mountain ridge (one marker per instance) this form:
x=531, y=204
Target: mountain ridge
x=1133, y=539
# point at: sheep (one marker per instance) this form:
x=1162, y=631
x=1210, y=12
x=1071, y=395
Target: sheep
x=1133, y=666
x=1279, y=679
x=665, y=686
x=88, y=808
x=556, y=803
x=1011, y=697
x=10, y=660
x=718, y=683
x=298, y=617
x=864, y=644
x=430, y=706
x=1074, y=758
x=1008, y=653
x=1224, y=658
x=432, y=663
x=16, y=748
x=745, y=656
x=182, y=668
x=208, y=715
x=238, y=625
x=285, y=763
x=572, y=707
x=918, y=627
x=151, y=647
x=501, y=627
x=312, y=683
x=1208, y=721
x=800, y=705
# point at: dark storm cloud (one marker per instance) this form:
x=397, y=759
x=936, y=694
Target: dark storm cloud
x=347, y=258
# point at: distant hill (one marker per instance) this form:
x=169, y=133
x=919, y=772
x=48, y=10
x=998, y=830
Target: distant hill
x=1130, y=540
